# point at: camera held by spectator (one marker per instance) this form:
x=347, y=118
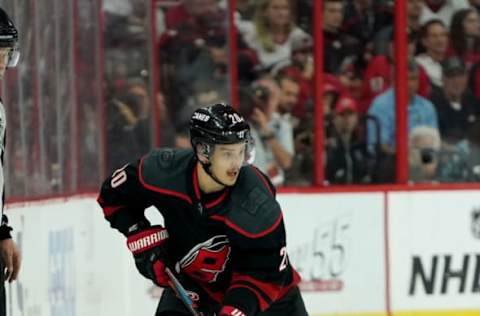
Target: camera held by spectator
x=272, y=132
x=429, y=162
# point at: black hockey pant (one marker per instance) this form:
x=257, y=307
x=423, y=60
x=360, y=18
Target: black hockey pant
x=290, y=305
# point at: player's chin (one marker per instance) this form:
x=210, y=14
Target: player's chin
x=230, y=179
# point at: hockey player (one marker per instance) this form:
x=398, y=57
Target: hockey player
x=9, y=253
x=224, y=234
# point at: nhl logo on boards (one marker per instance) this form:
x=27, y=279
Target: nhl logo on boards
x=475, y=226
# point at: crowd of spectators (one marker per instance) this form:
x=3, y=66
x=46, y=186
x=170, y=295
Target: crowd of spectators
x=275, y=76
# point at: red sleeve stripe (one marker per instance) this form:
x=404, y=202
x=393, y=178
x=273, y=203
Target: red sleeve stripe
x=109, y=210
x=244, y=232
x=160, y=190
x=262, y=177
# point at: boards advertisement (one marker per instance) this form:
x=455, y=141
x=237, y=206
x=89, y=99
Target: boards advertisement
x=434, y=242
x=336, y=242
x=74, y=264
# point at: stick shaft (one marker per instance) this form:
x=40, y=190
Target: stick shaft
x=181, y=292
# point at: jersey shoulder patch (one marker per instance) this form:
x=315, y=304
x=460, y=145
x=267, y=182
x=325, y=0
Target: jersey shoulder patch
x=253, y=209
x=164, y=170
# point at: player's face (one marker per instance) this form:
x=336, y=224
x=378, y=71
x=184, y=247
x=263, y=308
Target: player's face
x=226, y=162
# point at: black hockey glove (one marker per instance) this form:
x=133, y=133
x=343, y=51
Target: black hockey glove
x=147, y=248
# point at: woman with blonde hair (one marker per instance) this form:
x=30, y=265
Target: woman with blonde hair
x=272, y=31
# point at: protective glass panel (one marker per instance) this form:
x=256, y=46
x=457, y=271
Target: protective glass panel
x=193, y=59
x=130, y=111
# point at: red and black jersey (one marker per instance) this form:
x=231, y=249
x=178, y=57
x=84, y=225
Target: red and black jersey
x=230, y=244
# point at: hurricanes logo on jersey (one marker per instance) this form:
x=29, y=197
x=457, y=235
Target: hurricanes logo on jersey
x=206, y=260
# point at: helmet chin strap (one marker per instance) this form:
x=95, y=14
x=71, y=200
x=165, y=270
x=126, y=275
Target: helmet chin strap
x=206, y=167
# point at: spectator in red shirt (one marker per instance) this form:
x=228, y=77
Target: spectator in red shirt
x=188, y=24
x=378, y=75
x=191, y=11
x=351, y=78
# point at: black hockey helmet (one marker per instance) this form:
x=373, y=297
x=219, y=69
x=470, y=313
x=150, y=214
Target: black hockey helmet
x=219, y=124
x=9, y=38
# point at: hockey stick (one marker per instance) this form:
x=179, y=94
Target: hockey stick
x=181, y=292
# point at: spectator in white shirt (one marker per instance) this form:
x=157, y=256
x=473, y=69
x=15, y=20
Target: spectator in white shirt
x=442, y=10
x=434, y=37
x=272, y=31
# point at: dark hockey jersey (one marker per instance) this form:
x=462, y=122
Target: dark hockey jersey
x=231, y=247
x=4, y=228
